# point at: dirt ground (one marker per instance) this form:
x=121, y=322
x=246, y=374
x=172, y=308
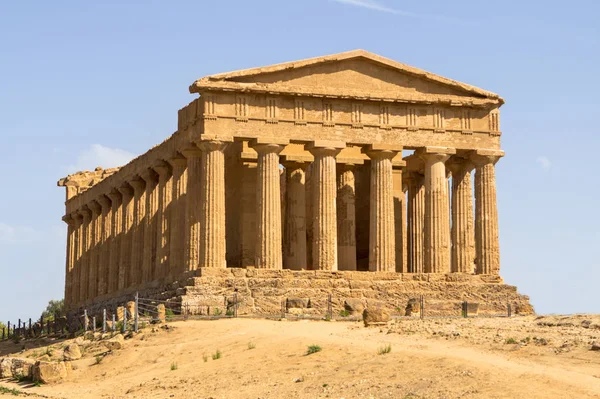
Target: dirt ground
x=521, y=357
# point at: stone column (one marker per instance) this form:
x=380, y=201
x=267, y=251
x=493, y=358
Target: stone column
x=94, y=249
x=126, y=236
x=150, y=225
x=115, y=245
x=462, y=235
x=106, y=244
x=177, y=215
x=294, y=242
x=137, y=240
x=84, y=260
x=487, y=247
x=324, y=193
x=268, y=204
x=192, y=214
x=437, y=209
x=70, y=258
x=163, y=231
x=346, y=215
x=78, y=235
x=382, y=236
x=400, y=216
x=212, y=200
x=416, y=221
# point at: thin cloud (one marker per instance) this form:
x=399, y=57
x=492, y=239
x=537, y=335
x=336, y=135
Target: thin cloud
x=98, y=155
x=376, y=6
x=544, y=162
x=18, y=234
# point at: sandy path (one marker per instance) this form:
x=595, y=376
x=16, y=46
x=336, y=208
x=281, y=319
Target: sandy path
x=419, y=366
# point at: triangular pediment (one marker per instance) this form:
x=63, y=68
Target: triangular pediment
x=355, y=73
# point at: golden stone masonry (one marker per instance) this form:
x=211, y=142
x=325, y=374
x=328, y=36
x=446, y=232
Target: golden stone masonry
x=300, y=166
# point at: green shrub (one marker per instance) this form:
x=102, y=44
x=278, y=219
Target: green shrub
x=217, y=312
x=9, y=391
x=313, y=349
x=217, y=355
x=385, y=349
x=344, y=313
x=174, y=366
x=251, y=345
x=511, y=341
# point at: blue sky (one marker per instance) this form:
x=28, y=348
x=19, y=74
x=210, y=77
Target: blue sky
x=93, y=83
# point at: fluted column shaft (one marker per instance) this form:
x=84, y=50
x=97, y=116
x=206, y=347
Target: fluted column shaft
x=437, y=213
x=115, y=245
x=126, y=236
x=487, y=246
x=294, y=256
x=84, y=261
x=78, y=235
x=324, y=198
x=400, y=217
x=268, y=207
x=416, y=222
x=150, y=225
x=163, y=230
x=177, y=215
x=69, y=259
x=346, y=216
x=382, y=236
x=212, y=200
x=192, y=218
x=94, y=249
x=105, y=244
x=462, y=234
x=137, y=241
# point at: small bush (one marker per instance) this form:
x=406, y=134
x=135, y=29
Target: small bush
x=99, y=359
x=16, y=338
x=20, y=377
x=229, y=312
x=5, y=390
x=344, y=313
x=251, y=345
x=313, y=349
x=217, y=312
x=217, y=355
x=384, y=349
x=49, y=351
x=205, y=358
x=174, y=366
x=37, y=383
x=511, y=340
x=169, y=314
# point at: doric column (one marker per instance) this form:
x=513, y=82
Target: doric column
x=416, y=221
x=137, y=240
x=126, y=235
x=487, y=247
x=324, y=197
x=150, y=225
x=382, y=236
x=70, y=258
x=212, y=204
x=163, y=231
x=84, y=259
x=192, y=213
x=294, y=241
x=268, y=204
x=106, y=244
x=461, y=233
x=400, y=216
x=437, y=209
x=346, y=215
x=77, y=236
x=94, y=249
x=115, y=245
x=177, y=215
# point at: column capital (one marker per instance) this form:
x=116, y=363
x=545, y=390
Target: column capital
x=484, y=157
x=138, y=184
x=192, y=151
x=149, y=175
x=162, y=168
x=77, y=218
x=85, y=213
x=95, y=207
x=413, y=177
x=296, y=161
x=177, y=160
x=68, y=219
x=435, y=154
x=114, y=195
x=104, y=202
x=126, y=190
x=212, y=145
x=457, y=165
x=324, y=147
x=268, y=144
x=377, y=151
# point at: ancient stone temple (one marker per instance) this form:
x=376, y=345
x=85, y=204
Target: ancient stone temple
x=351, y=175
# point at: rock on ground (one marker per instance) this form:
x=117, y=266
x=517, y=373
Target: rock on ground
x=375, y=315
x=72, y=352
x=49, y=372
x=115, y=343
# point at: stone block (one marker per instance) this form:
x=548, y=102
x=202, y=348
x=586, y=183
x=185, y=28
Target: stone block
x=300, y=303
x=49, y=372
x=115, y=343
x=375, y=314
x=162, y=313
x=72, y=352
x=354, y=305
x=130, y=310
